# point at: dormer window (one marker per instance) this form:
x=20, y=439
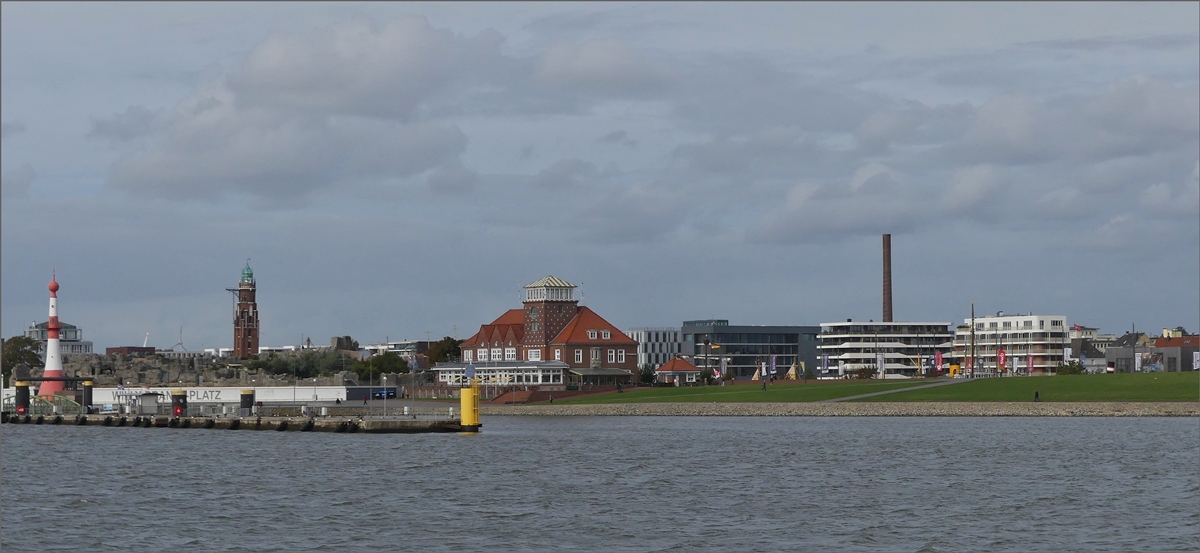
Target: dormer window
x=591, y=335
x=607, y=335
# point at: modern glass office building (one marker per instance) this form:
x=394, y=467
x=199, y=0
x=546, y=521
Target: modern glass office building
x=746, y=347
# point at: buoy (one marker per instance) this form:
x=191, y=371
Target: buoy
x=282, y=426
x=39, y=420
x=209, y=423
x=185, y=423
x=107, y=421
x=80, y=420
x=121, y=421
x=56, y=420
x=308, y=426
x=341, y=427
x=235, y=424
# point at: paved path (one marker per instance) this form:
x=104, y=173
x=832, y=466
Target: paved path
x=946, y=382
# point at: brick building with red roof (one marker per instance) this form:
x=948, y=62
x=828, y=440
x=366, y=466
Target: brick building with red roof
x=552, y=326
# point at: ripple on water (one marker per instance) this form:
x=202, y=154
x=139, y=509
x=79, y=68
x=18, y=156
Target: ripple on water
x=617, y=483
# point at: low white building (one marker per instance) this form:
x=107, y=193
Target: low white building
x=504, y=373
x=907, y=349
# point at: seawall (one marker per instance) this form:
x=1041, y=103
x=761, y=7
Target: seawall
x=864, y=409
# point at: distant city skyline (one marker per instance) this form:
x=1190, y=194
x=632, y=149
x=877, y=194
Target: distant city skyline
x=401, y=170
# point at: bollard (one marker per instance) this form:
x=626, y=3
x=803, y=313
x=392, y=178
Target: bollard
x=22, y=397
x=247, y=402
x=87, y=396
x=178, y=403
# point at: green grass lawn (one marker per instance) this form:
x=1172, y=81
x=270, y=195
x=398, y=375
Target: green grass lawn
x=1183, y=386
x=781, y=392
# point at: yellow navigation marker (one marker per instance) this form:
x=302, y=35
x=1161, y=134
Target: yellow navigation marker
x=469, y=401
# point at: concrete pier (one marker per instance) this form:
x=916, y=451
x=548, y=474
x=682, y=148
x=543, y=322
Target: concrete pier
x=375, y=425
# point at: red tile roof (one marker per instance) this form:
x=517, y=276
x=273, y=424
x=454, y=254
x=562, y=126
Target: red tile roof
x=1178, y=342
x=677, y=365
x=510, y=327
x=576, y=331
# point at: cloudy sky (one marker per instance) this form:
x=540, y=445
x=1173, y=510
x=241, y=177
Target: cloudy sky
x=393, y=170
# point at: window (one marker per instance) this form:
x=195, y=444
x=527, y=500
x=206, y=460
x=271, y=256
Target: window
x=557, y=354
x=595, y=354
x=578, y=356
x=979, y=326
x=612, y=356
x=620, y=356
x=535, y=355
x=992, y=325
x=533, y=312
x=591, y=335
x=510, y=354
x=483, y=356
x=691, y=377
x=1041, y=325
x=1056, y=323
x=1007, y=324
x=1028, y=324
x=467, y=356
x=606, y=335
x=497, y=354
x=533, y=326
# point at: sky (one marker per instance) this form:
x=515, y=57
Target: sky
x=400, y=171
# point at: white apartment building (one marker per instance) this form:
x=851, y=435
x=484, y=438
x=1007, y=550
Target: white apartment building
x=906, y=349
x=656, y=346
x=1031, y=344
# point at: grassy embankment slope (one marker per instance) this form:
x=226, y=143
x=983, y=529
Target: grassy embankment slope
x=1093, y=387
x=778, y=392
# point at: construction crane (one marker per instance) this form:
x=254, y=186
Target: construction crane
x=147, y=340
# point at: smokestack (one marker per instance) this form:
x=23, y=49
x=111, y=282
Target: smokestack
x=887, y=278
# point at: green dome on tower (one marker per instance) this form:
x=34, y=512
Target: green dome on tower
x=247, y=274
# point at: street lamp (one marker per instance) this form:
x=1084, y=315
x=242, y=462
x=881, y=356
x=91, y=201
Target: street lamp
x=384, y=381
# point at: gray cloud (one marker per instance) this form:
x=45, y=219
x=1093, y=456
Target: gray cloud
x=606, y=67
x=12, y=128
x=362, y=68
x=134, y=122
x=564, y=174
x=1179, y=199
x=617, y=137
x=452, y=179
x=15, y=184
x=1097, y=44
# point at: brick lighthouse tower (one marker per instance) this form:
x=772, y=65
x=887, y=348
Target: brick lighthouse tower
x=245, y=315
x=54, y=366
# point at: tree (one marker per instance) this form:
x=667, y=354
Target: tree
x=444, y=350
x=383, y=363
x=707, y=376
x=1074, y=367
x=19, y=350
x=646, y=374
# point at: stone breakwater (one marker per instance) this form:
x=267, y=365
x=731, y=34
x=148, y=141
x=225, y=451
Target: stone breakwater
x=865, y=409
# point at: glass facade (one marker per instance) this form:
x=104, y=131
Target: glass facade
x=746, y=348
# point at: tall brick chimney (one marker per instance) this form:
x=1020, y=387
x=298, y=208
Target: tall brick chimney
x=887, y=278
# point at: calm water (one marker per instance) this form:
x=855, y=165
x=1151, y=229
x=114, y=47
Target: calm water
x=615, y=484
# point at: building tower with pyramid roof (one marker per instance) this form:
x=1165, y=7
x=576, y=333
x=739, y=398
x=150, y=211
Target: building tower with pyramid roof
x=245, y=315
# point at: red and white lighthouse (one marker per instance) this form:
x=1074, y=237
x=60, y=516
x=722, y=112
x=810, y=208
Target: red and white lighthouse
x=54, y=366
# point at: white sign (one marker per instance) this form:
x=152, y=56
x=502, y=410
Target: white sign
x=1196, y=360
